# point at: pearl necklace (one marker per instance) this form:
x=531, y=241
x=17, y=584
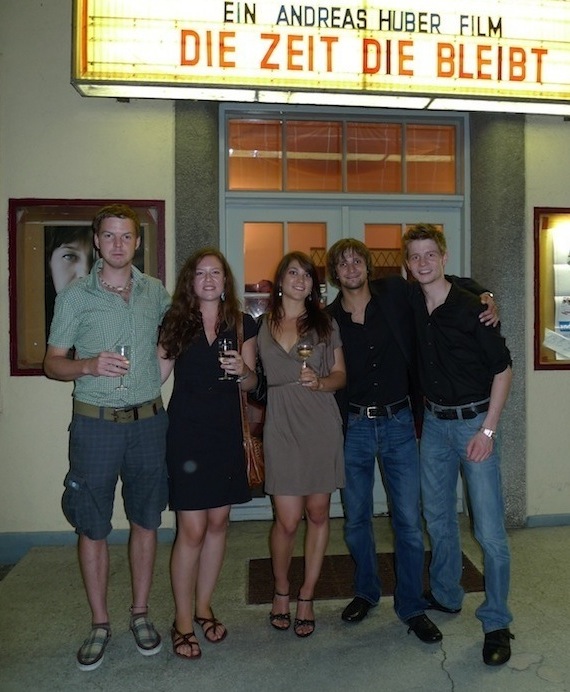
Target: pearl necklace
x=119, y=289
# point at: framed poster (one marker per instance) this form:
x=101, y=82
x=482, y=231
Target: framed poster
x=50, y=245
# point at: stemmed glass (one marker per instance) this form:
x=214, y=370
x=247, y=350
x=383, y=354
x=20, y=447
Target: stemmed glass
x=124, y=351
x=304, y=351
x=224, y=345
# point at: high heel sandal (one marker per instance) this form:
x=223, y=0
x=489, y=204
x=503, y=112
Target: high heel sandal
x=299, y=623
x=276, y=618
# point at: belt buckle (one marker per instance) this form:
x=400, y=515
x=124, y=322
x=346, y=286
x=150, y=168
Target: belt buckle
x=123, y=415
x=372, y=412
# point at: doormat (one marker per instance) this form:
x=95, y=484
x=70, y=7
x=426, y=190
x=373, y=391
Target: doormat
x=337, y=574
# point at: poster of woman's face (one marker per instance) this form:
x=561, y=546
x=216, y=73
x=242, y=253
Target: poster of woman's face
x=69, y=255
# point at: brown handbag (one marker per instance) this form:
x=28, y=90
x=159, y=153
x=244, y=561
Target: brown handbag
x=252, y=427
x=254, y=462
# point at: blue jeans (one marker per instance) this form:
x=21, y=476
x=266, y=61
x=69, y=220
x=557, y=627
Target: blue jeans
x=442, y=454
x=393, y=441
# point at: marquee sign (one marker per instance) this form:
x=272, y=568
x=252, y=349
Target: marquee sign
x=510, y=49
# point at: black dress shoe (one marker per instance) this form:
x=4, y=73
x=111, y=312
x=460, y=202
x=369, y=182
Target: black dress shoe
x=436, y=605
x=424, y=629
x=356, y=610
x=497, y=647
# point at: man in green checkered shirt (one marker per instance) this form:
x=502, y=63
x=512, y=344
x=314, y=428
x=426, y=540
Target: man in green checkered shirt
x=110, y=320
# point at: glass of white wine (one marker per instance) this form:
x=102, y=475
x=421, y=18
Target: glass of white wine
x=304, y=351
x=124, y=351
x=224, y=345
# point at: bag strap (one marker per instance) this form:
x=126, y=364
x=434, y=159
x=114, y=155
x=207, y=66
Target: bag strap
x=239, y=331
x=242, y=394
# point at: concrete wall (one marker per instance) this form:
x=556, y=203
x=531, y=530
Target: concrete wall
x=197, y=177
x=497, y=241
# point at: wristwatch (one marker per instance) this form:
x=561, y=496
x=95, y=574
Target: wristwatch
x=491, y=434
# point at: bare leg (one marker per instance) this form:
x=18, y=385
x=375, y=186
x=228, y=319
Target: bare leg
x=94, y=564
x=184, y=562
x=210, y=564
x=142, y=553
x=288, y=515
x=316, y=541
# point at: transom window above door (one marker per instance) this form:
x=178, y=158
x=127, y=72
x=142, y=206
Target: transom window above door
x=290, y=154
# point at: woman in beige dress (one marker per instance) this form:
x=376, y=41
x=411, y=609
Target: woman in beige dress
x=303, y=439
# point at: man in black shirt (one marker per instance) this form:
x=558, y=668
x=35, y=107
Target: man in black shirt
x=465, y=374
x=376, y=324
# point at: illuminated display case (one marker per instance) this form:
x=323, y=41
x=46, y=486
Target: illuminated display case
x=552, y=288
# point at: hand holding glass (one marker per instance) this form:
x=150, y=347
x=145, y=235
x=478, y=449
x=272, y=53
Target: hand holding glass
x=224, y=345
x=124, y=351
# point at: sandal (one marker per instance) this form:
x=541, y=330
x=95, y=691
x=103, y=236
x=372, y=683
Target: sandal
x=281, y=621
x=91, y=652
x=209, y=626
x=300, y=624
x=146, y=637
x=179, y=639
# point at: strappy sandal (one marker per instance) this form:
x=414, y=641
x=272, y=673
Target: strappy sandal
x=179, y=640
x=91, y=652
x=209, y=626
x=299, y=624
x=277, y=618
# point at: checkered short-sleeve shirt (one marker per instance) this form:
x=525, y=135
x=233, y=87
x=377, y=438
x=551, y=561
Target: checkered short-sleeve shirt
x=91, y=320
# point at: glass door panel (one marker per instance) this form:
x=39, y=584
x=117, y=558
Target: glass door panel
x=262, y=250
x=381, y=229
x=265, y=243
x=384, y=242
x=257, y=238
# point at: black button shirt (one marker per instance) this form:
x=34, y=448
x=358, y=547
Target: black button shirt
x=376, y=368
x=458, y=356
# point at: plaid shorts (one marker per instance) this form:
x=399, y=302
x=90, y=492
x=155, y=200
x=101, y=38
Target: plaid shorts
x=102, y=451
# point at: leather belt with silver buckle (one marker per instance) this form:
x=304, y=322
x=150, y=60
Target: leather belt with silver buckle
x=380, y=410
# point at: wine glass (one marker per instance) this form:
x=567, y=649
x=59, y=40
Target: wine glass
x=224, y=345
x=124, y=351
x=304, y=351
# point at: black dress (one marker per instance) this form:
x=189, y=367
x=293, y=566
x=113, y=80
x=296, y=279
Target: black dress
x=204, y=452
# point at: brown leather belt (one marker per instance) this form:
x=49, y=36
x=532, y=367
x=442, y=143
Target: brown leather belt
x=119, y=415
